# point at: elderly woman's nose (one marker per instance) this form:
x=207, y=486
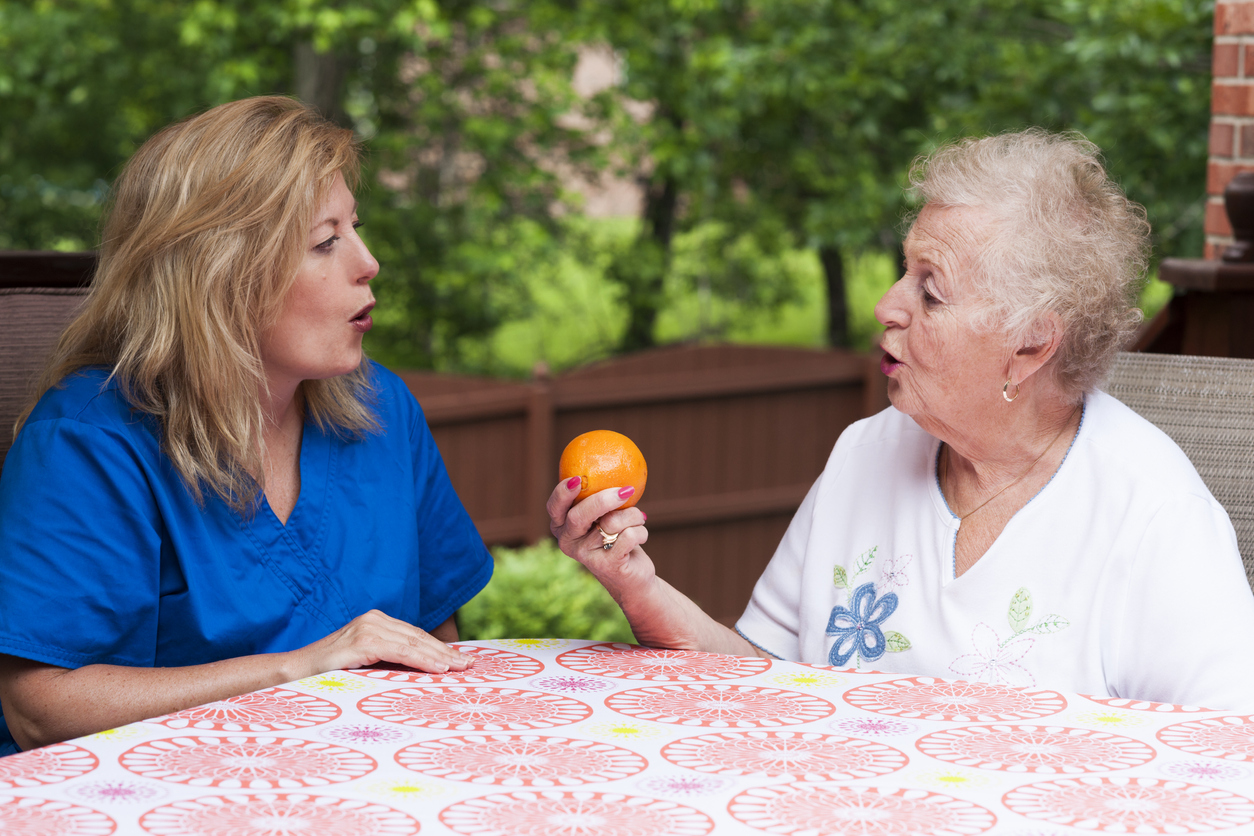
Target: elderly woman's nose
x=890, y=310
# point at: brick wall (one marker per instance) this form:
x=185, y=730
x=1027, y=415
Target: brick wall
x=1232, y=113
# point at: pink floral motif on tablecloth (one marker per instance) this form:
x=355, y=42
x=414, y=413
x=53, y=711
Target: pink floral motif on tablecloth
x=1131, y=805
x=573, y=684
x=775, y=754
x=1230, y=738
x=41, y=817
x=842, y=810
x=277, y=815
x=720, y=705
x=685, y=785
x=474, y=708
x=577, y=813
x=491, y=665
x=1144, y=705
x=1206, y=771
x=48, y=765
x=874, y=726
x=116, y=792
x=646, y=664
x=925, y=698
x=359, y=733
x=274, y=709
x=521, y=760
x=1038, y=749
x=250, y=763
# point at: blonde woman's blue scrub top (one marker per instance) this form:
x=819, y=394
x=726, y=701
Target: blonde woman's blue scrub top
x=105, y=557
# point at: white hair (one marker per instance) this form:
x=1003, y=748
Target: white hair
x=1062, y=237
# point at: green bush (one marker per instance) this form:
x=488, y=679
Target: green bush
x=538, y=592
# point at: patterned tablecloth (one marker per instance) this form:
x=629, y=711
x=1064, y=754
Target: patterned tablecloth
x=549, y=737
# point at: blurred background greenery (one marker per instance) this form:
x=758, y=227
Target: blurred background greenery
x=537, y=591
x=767, y=140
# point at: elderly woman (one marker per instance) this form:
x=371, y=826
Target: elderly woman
x=1004, y=520
x=215, y=491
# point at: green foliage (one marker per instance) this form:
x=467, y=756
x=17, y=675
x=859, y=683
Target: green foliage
x=775, y=128
x=538, y=592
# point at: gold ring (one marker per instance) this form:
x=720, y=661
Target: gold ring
x=607, y=540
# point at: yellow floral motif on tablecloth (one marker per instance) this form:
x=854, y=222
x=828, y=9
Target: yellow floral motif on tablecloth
x=1110, y=719
x=332, y=682
x=533, y=644
x=120, y=733
x=953, y=779
x=624, y=730
x=404, y=788
x=806, y=679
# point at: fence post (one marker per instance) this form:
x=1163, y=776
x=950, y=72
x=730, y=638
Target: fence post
x=540, y=470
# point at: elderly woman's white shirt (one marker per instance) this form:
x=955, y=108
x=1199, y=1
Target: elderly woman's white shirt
x=1121, y=578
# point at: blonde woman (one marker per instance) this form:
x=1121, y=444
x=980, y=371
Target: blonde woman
x=215, y=492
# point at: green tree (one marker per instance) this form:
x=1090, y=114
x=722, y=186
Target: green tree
x=462, y=104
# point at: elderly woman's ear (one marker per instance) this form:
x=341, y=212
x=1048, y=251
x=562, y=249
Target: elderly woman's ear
x=1037, y=349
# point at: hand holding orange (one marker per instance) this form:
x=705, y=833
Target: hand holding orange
x=604, y=459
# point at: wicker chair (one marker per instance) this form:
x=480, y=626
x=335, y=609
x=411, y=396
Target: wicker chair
x=1206, y=405
x=39, y=293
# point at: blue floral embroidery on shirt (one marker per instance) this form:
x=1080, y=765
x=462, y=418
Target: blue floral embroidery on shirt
x=857, y=627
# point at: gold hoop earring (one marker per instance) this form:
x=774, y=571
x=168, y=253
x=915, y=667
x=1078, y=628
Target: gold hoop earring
x=1005, y=392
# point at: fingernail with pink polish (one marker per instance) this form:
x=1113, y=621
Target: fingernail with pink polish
x=646, y=516
x=573, y=482
x=623, y=493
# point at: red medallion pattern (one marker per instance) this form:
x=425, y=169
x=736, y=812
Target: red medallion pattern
x=624, y=661
x=1142, y=705
x=49, y=765
x=491, y=665
x=474, y=708
x=40, y=817
x=720, y=706
x=277, y=815
x=827, y=810
x=1131, y=805
x=926, y=698
x=1039, y=749
x=776, y=754
x=274, y=709
x=249, y=763
x=1230, y=738
x=525, y=760
x=555, y=813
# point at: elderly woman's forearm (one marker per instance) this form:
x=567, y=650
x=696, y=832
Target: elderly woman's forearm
x=662, y=616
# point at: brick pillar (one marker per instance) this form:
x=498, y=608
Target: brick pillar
x=1232, y=113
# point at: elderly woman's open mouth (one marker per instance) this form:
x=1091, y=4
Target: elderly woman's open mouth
x=889, y=363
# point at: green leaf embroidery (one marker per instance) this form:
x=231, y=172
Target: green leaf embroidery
x=1051, y=623
x=1020, y=609
x=838, y=578
x=864, y=561
x=896, y=641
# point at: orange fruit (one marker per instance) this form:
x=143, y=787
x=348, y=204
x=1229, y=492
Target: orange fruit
x=604, y=459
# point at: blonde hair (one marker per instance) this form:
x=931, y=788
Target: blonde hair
x=1062, y=237
x=207, y=225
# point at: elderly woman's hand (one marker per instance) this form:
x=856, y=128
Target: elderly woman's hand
x=578, y=530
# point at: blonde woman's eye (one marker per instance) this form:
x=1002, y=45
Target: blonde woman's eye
x=326, y=245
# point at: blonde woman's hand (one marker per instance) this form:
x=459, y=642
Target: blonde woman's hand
x=377, y=637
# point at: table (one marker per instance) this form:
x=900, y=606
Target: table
x=553, y=737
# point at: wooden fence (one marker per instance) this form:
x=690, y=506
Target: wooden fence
x=734, y=437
